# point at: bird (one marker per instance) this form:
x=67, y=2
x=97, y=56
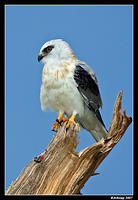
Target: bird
x=70, y=87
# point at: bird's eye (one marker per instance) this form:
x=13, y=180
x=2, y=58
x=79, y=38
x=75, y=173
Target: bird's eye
x=48, y=49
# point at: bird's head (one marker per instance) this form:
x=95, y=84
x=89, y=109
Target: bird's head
x=56, y=49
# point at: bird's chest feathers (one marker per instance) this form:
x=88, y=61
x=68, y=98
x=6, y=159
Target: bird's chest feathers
x=59, y=89
x=55, y=76
x=58, y=79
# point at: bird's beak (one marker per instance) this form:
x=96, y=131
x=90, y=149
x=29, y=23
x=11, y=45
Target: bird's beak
x=40, y=57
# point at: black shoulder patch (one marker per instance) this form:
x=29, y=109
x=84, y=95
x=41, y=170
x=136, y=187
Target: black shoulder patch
x=84, y=80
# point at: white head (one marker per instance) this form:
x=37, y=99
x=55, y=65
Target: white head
x=55, y=49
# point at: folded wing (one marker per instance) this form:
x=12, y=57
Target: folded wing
x=88, y=87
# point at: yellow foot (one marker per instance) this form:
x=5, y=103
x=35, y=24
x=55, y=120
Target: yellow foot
x=65, y=119
x=71, y=120
x=58, y=121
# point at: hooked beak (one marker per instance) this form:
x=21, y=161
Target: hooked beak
x=40, y=57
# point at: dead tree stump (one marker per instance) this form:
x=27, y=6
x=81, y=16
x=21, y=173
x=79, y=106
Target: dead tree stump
x=64, y=171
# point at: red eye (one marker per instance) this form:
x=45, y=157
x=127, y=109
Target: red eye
x=48, y=49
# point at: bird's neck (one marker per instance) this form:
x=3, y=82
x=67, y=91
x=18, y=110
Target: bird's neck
x=59, y=61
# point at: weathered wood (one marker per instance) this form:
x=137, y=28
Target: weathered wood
x=64, y=171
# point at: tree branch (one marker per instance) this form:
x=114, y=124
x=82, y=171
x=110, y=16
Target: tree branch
x=64, y=171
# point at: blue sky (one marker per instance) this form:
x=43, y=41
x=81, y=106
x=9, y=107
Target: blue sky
x=99, y=35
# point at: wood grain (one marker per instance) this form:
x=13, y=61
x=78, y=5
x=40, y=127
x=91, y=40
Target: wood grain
x=64, y=171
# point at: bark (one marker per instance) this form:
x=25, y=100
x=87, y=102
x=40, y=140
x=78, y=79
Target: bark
x=64, y=171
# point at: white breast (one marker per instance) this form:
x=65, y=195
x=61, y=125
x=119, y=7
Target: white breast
x=59, y=90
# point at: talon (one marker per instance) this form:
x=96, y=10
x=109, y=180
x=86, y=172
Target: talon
x=58, y=122
x=55, y=125
x=71, y=120
x=53, y=130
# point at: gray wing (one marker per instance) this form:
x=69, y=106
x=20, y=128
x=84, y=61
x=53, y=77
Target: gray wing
x=88, y=88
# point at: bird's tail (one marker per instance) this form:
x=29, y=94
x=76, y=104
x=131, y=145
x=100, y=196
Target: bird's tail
x=100, y=130
x=99, y=133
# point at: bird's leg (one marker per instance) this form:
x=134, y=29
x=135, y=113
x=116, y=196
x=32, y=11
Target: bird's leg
x=65, y=119
x=71, y=120
x=57, y=122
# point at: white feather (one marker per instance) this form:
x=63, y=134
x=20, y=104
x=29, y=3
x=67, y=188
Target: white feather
x=59, y=90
